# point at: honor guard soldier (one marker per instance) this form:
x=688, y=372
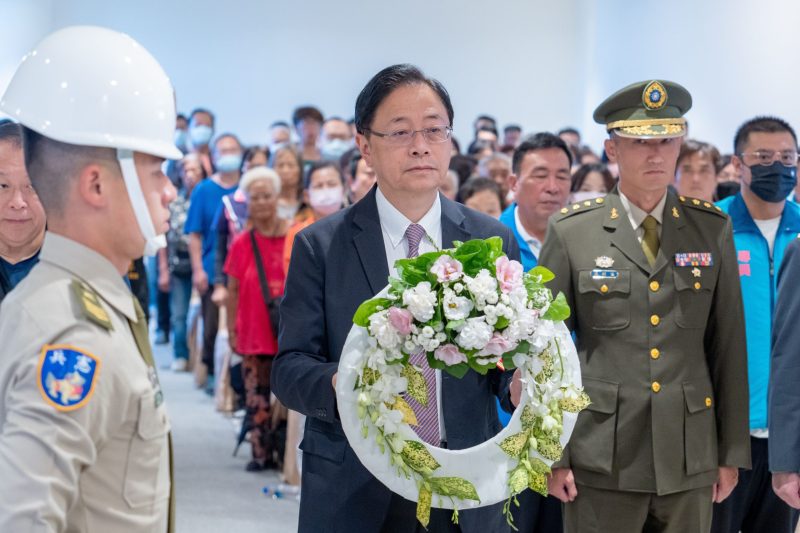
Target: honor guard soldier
x=653, y=285
x=84, y=434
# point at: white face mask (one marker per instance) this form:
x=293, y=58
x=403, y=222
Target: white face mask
x=326, y=201
x=582, y=196
x=152, y=241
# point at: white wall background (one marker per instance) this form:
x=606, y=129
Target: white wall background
x=543, y=64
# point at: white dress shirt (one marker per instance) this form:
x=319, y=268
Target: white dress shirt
x=393, y=226
x=533, y=243
x=636, y=215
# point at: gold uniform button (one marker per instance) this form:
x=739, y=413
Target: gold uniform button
x=656, y=386
x=654, y=353
x=697, y=285
x=599, y=200
x=564, y=211
x=708, y=402
x=654, y=286
x=655, y=320
x=576, y=207
x=587, y=203
x=604, y=289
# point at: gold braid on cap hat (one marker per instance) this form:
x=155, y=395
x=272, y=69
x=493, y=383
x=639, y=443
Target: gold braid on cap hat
x=677, y=122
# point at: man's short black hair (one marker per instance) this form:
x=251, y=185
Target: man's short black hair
x=319, y=165
x=198, y=110
x=512, y=127
x=387, y=80
x=484, y=117
x=307, y=112
x=10, y=132
x=572, y=131
x=279, y=124
x=764, y=124
x=538, y=141
x=180, y=116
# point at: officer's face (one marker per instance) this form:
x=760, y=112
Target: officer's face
x=542, y=186
x=645, y=165
x=22, y=217
x=157, y=189
x=417, y=167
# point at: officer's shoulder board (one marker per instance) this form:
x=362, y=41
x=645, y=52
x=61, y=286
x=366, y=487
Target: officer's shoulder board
x=67, y=376
x=580, y=207
x=89, y=305
x=702, y=205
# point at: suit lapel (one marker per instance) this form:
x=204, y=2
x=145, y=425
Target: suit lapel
x=368, y=241
x=623, y=237
x=671, y=226
x=453, y=224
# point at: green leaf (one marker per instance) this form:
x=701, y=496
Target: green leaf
x=502, y=323
x=515, y=444
x=424, y=506
x=455, y=487
x=575, y=405
x=528, y=419
x=495, y=245
x=550, y=449
x=558, y=310
x=518, y=480
x=540, y=467
x=540, y=271
x=481, y=369
x=367, y=309
x=537, y=483
x=454, y=324
x=474, y=256
x=458, y=371
x=370, y=376
x=417, y=456
x=417, y=388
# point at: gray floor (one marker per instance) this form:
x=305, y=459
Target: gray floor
x=214, y=493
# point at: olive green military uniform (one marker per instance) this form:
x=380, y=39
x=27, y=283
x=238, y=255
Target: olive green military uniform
x=91, y=455
x=663, y=359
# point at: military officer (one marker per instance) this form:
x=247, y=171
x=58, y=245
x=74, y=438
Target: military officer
x=84, y=434
x=657, y=313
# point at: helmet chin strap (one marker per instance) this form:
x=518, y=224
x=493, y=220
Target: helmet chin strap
x=153, y=242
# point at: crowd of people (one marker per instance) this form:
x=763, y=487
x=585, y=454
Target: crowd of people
x=249, y=225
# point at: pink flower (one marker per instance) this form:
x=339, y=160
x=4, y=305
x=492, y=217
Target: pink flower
x=447, y=269
x=400, y=319
x=449, y=354
x=497, y=346
x=509, y=273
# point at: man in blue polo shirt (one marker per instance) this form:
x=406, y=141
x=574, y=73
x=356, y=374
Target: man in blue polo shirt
x=764, y=223
x=540, y=181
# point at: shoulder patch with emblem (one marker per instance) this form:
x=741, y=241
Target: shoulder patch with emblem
x=67, y=376
x=90, y=305
x=581, y=207
x=702, y=205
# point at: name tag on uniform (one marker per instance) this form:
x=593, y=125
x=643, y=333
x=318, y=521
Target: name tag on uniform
x=703, y=259
x=604, y=274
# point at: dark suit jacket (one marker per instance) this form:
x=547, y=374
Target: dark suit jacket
x=784, y=381
x=338, y=263
x=662, y=349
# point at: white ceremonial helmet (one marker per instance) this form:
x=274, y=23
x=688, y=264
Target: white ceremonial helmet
x=93, y=86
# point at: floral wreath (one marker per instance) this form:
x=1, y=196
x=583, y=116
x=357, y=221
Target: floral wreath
x=468, y=308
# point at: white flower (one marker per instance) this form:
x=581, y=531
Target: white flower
x=421, y=301
x=549, y=423
x=387, y=388
x=458, y=287
x=456, y=307
x=475, y=334
x=388, y=419
x=483, y=288
x=380, y=328
x=522, y=326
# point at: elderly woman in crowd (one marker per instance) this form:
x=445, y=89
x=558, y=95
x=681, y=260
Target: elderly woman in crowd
x=250, y=332
x=22, y=218
x=696, y=170
x=482, y=194
x=287, y=163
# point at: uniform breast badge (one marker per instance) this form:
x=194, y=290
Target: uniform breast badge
x=694, y=259
x=604, y=262
x=675, y=212
x=67, y=376
x=603, y=270
x=614, y=213
x=696, y=272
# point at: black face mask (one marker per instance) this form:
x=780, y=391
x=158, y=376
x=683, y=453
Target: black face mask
x=772, y=183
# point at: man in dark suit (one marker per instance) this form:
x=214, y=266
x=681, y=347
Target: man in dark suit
x=784, y=394
x=404, y=125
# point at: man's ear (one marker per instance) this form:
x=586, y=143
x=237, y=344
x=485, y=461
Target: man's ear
x=512, y=181
x=363, y=146
x=611, y=150
x=93, y=185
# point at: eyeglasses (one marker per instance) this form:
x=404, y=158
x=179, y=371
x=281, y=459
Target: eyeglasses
x=434, y=135
x=766, y=157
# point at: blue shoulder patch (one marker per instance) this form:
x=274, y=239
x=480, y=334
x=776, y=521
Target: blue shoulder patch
x=67, y=376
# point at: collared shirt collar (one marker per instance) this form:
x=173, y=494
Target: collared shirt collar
x=533, y=243
x=637, y=215
x=395, y=223
x=92, y=268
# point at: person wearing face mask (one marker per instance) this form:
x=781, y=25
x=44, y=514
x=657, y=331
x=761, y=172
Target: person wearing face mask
x=22, y=219
x=206, y=202
x=336, y=139
x=764, y=224
x=324, y=194
x=590, y=182
x=201, y=131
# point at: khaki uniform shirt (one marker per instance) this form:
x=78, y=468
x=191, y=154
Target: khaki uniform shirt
x=104, y=465
x=662, y=349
